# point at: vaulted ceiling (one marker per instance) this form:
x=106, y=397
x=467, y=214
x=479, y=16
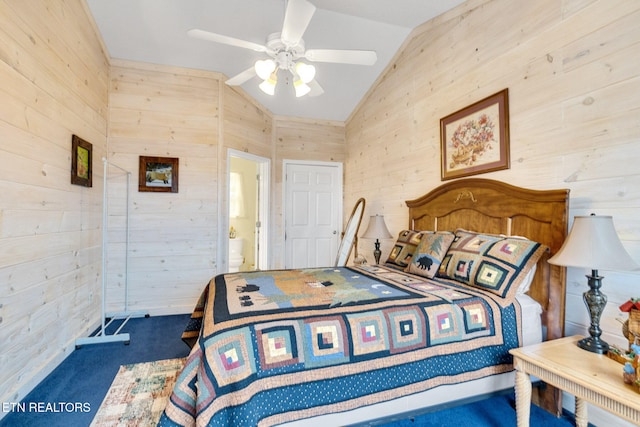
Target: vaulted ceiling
x=155, y=31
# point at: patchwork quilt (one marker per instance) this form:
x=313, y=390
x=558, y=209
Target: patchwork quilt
x=280, y=345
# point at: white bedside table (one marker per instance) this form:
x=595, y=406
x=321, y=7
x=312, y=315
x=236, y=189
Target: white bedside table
x=590, y=377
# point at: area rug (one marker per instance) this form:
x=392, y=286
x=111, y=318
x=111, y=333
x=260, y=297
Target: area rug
x=138, y=394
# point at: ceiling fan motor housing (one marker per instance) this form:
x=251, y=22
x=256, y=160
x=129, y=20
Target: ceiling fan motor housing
x=283, y=54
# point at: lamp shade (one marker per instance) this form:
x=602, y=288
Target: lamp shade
x=269, y=85
x=377, y=229
x=594, y=244
x=305, y=71
x=301, y=88
x=264, y=68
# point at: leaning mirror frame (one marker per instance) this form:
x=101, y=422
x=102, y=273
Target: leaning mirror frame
x=350, y=234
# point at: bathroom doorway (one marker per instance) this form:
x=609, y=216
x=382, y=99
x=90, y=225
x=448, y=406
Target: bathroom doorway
x=248, y=213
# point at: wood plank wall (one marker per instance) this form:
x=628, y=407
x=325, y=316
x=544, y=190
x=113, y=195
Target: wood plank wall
x=162, y=111
x=572, y=70
x=571, y=67
x=54, y=83
x=177, y=240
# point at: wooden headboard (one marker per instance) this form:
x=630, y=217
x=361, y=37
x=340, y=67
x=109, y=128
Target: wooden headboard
x=495, y=207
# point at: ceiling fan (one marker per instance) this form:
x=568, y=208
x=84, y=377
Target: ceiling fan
x=285, y=51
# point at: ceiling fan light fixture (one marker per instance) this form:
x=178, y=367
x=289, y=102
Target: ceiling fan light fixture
x=268, y=86
x=264, y=68
x=301, y=88
x=285, y=48
x=306, y=72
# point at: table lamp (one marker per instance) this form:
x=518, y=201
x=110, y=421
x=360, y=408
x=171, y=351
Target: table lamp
x=377, y=229
x=593, y=243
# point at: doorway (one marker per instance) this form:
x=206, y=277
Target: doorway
x=248, y=211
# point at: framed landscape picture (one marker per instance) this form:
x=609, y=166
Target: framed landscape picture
x=475, y=139
x=81, y=161
x=158, y=174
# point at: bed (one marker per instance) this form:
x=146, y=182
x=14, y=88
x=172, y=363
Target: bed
x=343, y=345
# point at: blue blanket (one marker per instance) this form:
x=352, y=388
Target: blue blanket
x=280, y=345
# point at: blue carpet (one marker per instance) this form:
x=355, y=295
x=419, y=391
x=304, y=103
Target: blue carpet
x=497, y=411
x=83, y=379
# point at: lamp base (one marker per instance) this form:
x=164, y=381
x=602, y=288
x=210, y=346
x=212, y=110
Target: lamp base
x=595, y=302
x=377, y=252
x=594, y=345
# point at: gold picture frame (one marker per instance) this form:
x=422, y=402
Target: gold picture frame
x=158, y=174
x=475, y=139
x=81, y=162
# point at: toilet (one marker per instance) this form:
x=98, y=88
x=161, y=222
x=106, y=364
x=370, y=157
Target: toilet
x=236, y=258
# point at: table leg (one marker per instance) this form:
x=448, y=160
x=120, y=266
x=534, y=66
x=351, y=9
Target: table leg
x=581, y=413
x=523, y=398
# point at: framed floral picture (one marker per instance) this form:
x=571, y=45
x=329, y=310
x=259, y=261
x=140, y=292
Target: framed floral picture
x=81, y=161
x=158, y=174
x=475, y=139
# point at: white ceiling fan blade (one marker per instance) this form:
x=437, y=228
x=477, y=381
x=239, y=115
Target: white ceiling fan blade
x=316, y=89
x=296, y=20
x=219, y=38
x=356, y=57
x=244, y=76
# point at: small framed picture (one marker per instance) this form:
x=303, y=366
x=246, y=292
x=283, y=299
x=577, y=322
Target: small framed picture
x=81, y=162
x=475, y=139
x=158, y=174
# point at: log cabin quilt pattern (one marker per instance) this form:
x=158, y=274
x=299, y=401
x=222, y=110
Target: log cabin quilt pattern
x=280, y=345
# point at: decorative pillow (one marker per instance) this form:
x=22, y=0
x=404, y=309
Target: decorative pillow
x=404, y=248
x=430, y=252
x=496, y=264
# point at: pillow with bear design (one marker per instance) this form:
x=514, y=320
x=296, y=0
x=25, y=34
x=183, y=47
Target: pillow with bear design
x=403, y=250
x=429, y=254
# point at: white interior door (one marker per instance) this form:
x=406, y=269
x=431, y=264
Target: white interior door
x=313, y=213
